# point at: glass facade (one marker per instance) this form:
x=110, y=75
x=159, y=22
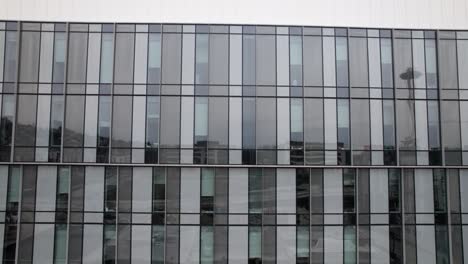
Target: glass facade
x=171, y=143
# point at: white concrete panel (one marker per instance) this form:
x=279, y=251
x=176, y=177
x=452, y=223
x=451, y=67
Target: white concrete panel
x=286, y=191
x=186, y=123
x=333, y=190
x=92, y=244
x=142, y=190
x=94, y=189
x=380, y=245
x=378, y=190
x=189, y=244
x=139, y=122
x=189, y=190
x=426, y=250
x=400, y=13
x=333, y=244
x=43, y=243
x=238, y=190
x=423, y=190
x=46, y=188
x=286, y=244
x=238, y=245
x=141, y=244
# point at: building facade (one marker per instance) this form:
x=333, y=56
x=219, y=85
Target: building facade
x=228, y=143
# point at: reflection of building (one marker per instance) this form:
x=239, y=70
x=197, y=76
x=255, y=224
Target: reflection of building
x=220, y=134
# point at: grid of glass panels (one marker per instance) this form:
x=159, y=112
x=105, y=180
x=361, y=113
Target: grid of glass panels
x=220, y=94
x=96, y=214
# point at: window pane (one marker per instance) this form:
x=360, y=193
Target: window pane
x=295, y=58
x=312, y=61
x=341, y=61
x=107, y=57
x=29, y=65
x=358, y=60
x=124, y=57
x=171, y=58
x=218, y=59
x=265, y=60
x=154, y=58
x=59, y=57
x=404, y=74
x=77, y=49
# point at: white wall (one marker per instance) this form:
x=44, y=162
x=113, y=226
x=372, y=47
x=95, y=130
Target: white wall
x=436, y=14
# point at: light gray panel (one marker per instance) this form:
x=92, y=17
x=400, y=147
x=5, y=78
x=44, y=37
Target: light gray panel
x=2, y=231
x=235, y=59
x=94, y=55
x=91, y=115
x=419, y=63
x=43, y=121
x=373, y=46
x=141, y=59
x=3, y=190
x=426, y=250
x=329, y=78
x=238, y=245
x=92, y=244
x=282, y=61
x=235, y=123
x=141, y=244
x=333, y=244
x=286, y=244
x=139, y=119
x=189, y=244
x=376, y=124
x=188, y=58
x=43, y=243
x=423, y=190
x=45, y=65
x=2, y=49
x=333, y=190
x=464, y=191
x=380, y=245
x=238, y=190
x=94, y=189
x=421, y=125
x=186, y=123
x=283, y=133
x=330, y=128
x=46, y=188
x=142, y=189
x=286, y=191
x=378, y=181
x=190, y=190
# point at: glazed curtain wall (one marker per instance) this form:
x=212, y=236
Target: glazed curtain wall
x=94, y=214
x=217, y=94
